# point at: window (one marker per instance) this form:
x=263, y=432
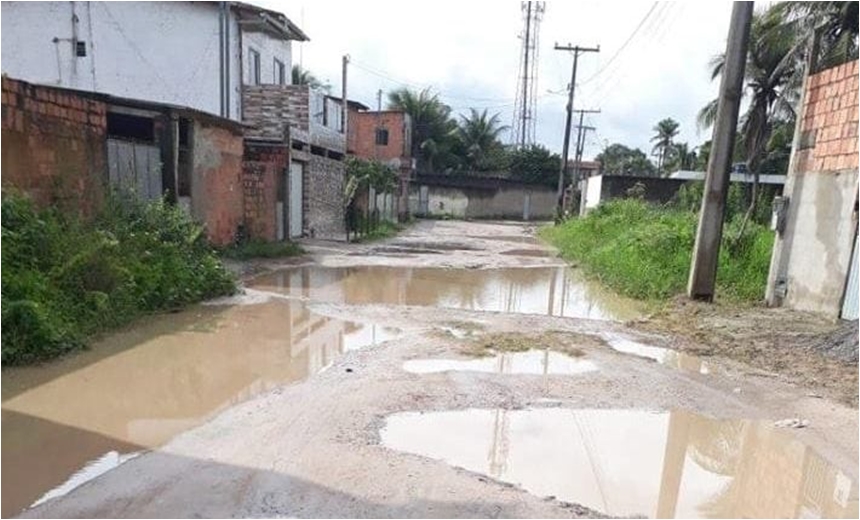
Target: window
x=130, y=127
x=80, y=49
x=280, y=73
x=381, y=137
x=253, y=67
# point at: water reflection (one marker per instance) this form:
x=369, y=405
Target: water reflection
x=536, y=362
x=629, y=462
x=141, y=387
x=664, y=356
x=552, y=291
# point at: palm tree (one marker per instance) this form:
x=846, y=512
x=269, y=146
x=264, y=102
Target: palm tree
x=836, y=24
x=681, y=157
x=479, y=134
x=772, y=87
x=666, y=130
x=301, y=76
x=433, y=129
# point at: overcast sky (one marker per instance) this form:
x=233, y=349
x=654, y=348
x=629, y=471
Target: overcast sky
x=469, y=53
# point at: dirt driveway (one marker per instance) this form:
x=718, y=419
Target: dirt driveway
x=504, y=386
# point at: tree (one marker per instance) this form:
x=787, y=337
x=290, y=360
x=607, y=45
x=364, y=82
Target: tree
x=535, y=164
x=479, y=138
x=434, y=132
x=617, y=159
x=665, y=132
x=772, y=86
x=680, y=157
x=301, y=76
x=835, y=22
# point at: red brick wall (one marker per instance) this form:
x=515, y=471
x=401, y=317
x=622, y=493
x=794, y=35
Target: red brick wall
x=829, y=121
x=362, y=135
x=216, y=185
x=260, y=168
x=53, y=146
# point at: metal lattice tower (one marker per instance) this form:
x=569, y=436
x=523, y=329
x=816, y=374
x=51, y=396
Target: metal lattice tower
x=525, y=106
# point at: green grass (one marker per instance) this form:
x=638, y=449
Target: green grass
x=260, y=249
x=385, y=229
x=65, y=279
x=643, y=251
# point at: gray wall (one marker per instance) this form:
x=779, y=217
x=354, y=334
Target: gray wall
x=323, y=196
x=501, y=202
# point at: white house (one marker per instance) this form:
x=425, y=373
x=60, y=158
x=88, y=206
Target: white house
x=191, y=54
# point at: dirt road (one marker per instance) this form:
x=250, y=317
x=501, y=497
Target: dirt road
x=493, y=382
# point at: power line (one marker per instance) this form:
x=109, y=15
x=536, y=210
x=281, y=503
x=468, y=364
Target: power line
x=623, y=45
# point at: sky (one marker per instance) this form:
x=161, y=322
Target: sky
x=652, y=64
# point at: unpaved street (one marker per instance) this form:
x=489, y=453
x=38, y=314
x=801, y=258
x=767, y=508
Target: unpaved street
x=456, y=370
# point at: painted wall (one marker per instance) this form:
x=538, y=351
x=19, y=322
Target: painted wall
x=165, y=52
x=269, y=49
x=54, y=146
x=811, y=257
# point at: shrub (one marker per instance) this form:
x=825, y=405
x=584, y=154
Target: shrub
x=644, y=251
x=64, y=280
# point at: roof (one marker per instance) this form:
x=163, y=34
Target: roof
x=277, y=24
x=350, y=103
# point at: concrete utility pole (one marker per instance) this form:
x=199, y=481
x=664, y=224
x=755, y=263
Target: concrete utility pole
x=525, y=70
x=703, y=269
x=580, y=142
x=343, y=108
x=566, y=146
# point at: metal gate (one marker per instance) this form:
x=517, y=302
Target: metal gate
x=135, y=168
x=849, y=302
x=295, y=205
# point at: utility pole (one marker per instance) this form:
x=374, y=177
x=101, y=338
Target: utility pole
x=580, y=142
x=703, y=268
x=566, y=146
x=378, y=121
x=526, y=68
x=343, y=109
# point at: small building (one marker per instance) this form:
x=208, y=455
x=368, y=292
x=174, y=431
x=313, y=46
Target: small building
x=735, y=176
x=65, y=148
x=384, y=136
x=814, y=262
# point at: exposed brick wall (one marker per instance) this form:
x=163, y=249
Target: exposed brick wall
x=362, y=135
x=271, y=109
x=53, y=146
x=829, y=121
x=323, y=195
x=216, y=185
x=261, y=166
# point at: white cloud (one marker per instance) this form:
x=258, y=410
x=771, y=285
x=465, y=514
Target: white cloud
x=469, y=52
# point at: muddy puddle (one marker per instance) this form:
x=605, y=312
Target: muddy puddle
x=630, y=462
x=664, y=356
x=544, y=362
x=551, y=291
x=64, y=422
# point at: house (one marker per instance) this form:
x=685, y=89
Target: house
x=814, y=262
x=385, y=136
x=191, y=54
x=228, y=60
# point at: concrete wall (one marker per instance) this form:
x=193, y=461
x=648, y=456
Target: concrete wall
x=261, y=166
x=165, y=52
x=657, y=190
x=811, y=257
x=323, y=198
x=54, y=146
x=483, y=198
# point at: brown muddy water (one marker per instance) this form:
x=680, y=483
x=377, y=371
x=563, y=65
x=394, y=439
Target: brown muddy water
x=71, y=420
x=551, y=291
x=632, y=462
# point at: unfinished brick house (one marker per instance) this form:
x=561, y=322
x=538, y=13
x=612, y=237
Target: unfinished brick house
x=67, y=148
x=384, y=136
x=814, y=262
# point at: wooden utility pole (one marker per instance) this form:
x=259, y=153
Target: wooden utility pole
x=566, y=145
x=703, y=268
